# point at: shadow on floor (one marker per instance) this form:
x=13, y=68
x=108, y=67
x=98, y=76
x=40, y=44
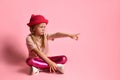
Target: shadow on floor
x=12, y=54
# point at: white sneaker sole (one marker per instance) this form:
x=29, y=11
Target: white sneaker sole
x=60, y=68
x=34, y=70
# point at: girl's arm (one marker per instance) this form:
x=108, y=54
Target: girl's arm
x=52, y=65
x=31, y=45
x=61, y=35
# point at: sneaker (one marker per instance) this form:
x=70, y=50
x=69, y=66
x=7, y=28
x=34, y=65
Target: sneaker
x=34, y=70
x=60, y=68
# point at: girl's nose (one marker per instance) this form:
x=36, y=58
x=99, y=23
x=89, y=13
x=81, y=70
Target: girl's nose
x=43, y=29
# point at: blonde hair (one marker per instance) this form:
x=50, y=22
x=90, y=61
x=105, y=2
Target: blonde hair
x=34, y=39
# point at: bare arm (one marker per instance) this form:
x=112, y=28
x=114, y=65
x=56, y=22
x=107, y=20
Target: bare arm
x=41, y=55
x=61, y=35
x=32, y=47
x=51, y=64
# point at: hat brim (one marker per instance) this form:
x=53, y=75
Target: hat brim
x=37, y=22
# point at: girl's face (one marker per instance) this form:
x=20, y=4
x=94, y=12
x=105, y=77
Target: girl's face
x=40, y=29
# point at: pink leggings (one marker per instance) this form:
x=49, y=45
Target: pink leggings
x=39, y=63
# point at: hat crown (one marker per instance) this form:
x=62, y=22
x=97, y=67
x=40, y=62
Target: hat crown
x=37, y=19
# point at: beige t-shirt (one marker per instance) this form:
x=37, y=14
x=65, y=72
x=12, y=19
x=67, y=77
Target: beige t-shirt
x=31, y=45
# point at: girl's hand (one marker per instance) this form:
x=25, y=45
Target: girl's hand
x=74, y=36
x=53, y=66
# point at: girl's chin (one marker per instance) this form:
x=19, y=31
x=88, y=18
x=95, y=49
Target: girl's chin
x=41, y=33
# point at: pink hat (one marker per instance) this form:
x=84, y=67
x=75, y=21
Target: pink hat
x=37, y=19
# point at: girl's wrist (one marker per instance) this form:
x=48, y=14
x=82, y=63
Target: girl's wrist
x=49, y=61
x=70, y=35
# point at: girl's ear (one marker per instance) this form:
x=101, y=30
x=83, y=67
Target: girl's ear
x=34, y=29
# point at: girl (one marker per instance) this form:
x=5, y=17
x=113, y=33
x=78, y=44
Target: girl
x=37, y=46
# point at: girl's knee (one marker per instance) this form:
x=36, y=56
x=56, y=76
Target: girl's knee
x=29, y=61
x=64, y=59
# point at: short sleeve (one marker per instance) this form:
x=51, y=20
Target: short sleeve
x=30, y=43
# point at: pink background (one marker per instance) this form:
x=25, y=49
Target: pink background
x=95, y=56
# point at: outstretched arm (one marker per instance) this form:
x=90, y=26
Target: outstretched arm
x=61, y=35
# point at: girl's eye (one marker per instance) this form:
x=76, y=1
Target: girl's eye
x=40, y=26
x=43, y=27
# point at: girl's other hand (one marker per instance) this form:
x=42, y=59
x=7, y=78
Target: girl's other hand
x=74, y=36
x=52, y=66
